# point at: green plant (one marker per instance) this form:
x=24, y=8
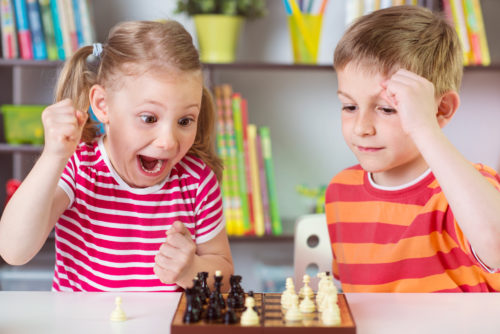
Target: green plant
x=249, y=9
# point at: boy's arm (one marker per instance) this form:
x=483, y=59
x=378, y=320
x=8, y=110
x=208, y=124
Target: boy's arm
x=474, y=201
x=180, y=260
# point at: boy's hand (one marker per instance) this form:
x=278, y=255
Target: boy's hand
x=413, y=98
x=176, y=255
x=63, y=126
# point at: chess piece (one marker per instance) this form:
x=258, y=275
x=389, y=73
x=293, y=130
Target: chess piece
x=285, y=296
x=216, y=294
x=330, y=291
x=236, y=292
x=293, y=313
x=331, y=314
x=230, y=316
x=202, y=277
x=118, y=314
x=193, y=307
x=307, y=305
x=306, y=289
x=249, y=317
x=250, y=294
x=323, y=281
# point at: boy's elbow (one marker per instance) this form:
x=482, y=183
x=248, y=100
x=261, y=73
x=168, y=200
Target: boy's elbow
x=12, y=258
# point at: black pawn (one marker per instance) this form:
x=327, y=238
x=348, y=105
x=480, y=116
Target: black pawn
x=230, y=316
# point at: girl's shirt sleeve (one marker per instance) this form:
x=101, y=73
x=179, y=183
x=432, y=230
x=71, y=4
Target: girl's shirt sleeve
x=67, y=181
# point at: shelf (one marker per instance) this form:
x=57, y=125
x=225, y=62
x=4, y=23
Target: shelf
x=263, y=239
x=30, y=63
x=25, y=148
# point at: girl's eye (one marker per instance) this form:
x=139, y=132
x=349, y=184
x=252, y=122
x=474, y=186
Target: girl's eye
x=148, y=118
x=387, y=111
x=349, y=108
x=185, y=122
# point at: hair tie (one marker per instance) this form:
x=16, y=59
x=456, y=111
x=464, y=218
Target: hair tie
x=96, y=49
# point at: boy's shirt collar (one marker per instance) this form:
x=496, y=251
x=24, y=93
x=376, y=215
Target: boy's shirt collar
x=400, y=187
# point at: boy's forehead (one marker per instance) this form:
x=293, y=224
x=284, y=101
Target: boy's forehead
x=355, y=81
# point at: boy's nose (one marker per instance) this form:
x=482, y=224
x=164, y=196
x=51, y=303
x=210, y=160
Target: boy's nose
x=364, y=125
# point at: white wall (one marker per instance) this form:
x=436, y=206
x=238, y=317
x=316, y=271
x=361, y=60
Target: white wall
x=301, y=107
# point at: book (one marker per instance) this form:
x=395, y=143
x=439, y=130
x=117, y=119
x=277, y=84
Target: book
x=240, y=160
x=86, y=21
x=457, y=12
x=70, y=16
x=48, y=29
x=271, y=186
x=35, y=22
x=244, y=126
x=23, y=29
x=65, y=29
x=254, y=170
x=472, y=32
x=58, y=32
x=8, y=30
x=483, y=42
x=263, y=187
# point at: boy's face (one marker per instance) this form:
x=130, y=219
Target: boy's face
x=152, y=123
x=373, y=131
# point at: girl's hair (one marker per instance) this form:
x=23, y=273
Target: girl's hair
x=409, y=37
x=133, y=48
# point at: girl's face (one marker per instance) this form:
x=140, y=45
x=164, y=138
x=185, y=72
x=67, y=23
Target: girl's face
x=151, y=123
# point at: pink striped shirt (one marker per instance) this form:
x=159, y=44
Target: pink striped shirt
x=107, y=238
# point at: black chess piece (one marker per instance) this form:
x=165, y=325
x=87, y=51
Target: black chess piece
x=192, y=312
x=202, y=277
x=214, y=312
x=200, y=294
x=217, y=295
x=230, y=316
x=237, y=292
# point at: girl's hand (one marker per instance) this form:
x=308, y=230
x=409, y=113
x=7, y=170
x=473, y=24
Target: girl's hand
x=413, y=98
x=63, y=126
x=176, y=255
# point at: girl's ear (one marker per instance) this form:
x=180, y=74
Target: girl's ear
x=448, y=105
x=97, y=96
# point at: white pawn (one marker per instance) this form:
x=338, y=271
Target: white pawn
x=293, y=313
x=306, y=289
x=118, y=314
x=331, y=315
x=307, y=305
x=249, y=317
x=285, y=296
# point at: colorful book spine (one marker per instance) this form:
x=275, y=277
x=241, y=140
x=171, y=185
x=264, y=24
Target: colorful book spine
x=483, y=41
x=78, y=22
x=38, y=38
x=254, y=169
x=271, y=186
x=460, y=27
x=222, y=151
x=472, y=32
x=58, y=32
x=240, y=160
x=87, y=22
x=263, y=187
x=23, y=29
x=65, y=30
x=69, y=15
x=8, y=30
x=244, y=126
x=48, y=29
x=232, y=160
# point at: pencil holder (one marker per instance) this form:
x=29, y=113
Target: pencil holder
x=305, y=31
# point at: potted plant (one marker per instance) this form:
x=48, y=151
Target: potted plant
x=218, y=24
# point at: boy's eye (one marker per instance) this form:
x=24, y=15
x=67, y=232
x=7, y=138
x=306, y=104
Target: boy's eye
x=148, y=118
x=185, y=121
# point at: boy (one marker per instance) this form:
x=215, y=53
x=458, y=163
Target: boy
x=414, y=215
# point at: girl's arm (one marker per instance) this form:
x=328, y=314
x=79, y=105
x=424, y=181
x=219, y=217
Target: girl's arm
x=35, y=206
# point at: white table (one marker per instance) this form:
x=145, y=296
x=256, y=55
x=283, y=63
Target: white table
x=50, y=312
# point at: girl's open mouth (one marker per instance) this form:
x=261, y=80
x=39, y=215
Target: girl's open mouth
x=151, y=166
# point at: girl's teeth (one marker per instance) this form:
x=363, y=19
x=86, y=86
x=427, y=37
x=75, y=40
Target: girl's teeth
x=157, y=168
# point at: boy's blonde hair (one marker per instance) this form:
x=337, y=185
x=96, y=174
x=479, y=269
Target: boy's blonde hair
x=409, y=37
x=133, y=48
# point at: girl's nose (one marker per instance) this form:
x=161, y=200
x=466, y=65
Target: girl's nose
x=364, y=125
x=166, y=138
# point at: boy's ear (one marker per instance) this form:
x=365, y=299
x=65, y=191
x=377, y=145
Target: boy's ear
x=97, y=96
x=448, y=105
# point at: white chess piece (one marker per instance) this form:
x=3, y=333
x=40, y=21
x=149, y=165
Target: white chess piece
x=331, y=314
x=323, y=282
x=249, y=317
x=307, y=305
x=293, y=312
x=118, y=314
x=330, y=292
x=285, y=296
x=306, y=289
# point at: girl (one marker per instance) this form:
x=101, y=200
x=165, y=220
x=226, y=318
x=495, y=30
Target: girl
x=153, y=172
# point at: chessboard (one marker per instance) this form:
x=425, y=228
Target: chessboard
x=271, y=320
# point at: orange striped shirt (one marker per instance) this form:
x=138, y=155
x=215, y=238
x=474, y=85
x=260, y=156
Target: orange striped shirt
x=404, y=240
